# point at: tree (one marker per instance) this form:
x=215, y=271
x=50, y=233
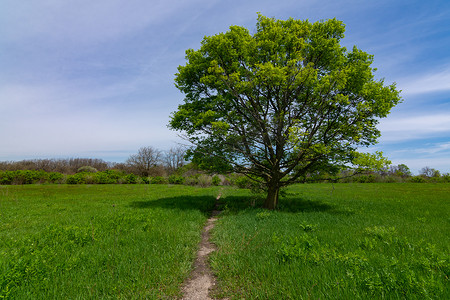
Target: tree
x=429, y=172
x=280, y=104
x=145, y=160
x=400, y=170
x=174, y=159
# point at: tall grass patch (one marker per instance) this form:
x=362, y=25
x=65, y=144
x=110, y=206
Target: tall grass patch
x=342, y=241
x=108, y=241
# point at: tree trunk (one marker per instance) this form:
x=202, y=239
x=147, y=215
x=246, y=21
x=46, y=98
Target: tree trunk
x=272, y=196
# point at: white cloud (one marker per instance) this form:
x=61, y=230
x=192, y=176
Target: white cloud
x=84, y=21
x=438, y=148
x=438, y=81
x=415, y=127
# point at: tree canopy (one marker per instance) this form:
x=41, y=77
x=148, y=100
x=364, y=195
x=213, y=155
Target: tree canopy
x=282, y=103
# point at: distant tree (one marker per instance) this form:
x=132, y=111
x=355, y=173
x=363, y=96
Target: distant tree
x=281, y=103
x=401, y=170
x=145, y=160
x=174, y=159
x=429, y=172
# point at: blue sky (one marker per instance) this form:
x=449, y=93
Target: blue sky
x=96, y=78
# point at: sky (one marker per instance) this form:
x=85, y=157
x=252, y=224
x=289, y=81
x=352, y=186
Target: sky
x=95, y=79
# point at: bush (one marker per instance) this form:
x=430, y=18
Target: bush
x=158, y=180
x=76, y=179
x=87, y=169
x=7, y=177
x=216, y=180
x=106, y=177
x=131, y=179
x=204, y=180
x=55, y=177
x=23, y=177
x=192, y=180
x=145, y=180
x=175, y=179
x=243, y=182
x=446, y=177
x=417, y=179
x=365, y=178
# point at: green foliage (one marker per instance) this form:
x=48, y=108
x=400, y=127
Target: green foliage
x=158, y=180
x=370, y=161
x=282, y=103
x=204, y=180
x=55, y=177
x=131, y=179
x=78, y=178
x=370, y=178
x=87, y=169
x=106, y=177
x=192, y=180
x=215, y=180
x=176, y=179
x=417, y=179
x=23, y=177
x=243, y=182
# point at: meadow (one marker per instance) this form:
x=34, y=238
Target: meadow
x=327, y=241
x=341, y=241
x=99, y=242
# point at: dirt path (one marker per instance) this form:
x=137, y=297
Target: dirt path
x=201, y=280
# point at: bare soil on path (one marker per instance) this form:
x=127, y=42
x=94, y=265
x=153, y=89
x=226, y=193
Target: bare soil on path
x=202, y=281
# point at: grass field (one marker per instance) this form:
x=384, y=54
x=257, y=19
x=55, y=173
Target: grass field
x=342, y=241
x=103, y=241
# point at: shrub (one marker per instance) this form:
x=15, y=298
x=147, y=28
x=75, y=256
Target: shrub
x=76, y=179
x=216, y=180
x=106, y=177
x=158, y=180
x=175, y=179
x=55, y=177
x=204, y=180
x=417, y=179
x=145, y=180
x=365, y=178
x=446, y=177
x=191, y=180
x=7, y=177
x=23, y=177
x=87, y=169
x=243, y=182
x=131, y=178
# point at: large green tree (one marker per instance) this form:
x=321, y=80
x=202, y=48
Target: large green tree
x=279, y=104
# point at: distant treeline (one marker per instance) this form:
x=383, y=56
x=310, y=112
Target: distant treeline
x=152, y=166
x=64, y=166
x=147, y=162
x=88, y=175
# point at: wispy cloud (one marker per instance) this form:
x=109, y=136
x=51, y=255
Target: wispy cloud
x=415, y=127
x=439, y=148
x=84, y=21
x=437, y=81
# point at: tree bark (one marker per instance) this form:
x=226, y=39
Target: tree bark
x=272, y=196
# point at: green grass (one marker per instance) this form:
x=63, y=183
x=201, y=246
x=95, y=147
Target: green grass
x=342, y=241
x=103, y=241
